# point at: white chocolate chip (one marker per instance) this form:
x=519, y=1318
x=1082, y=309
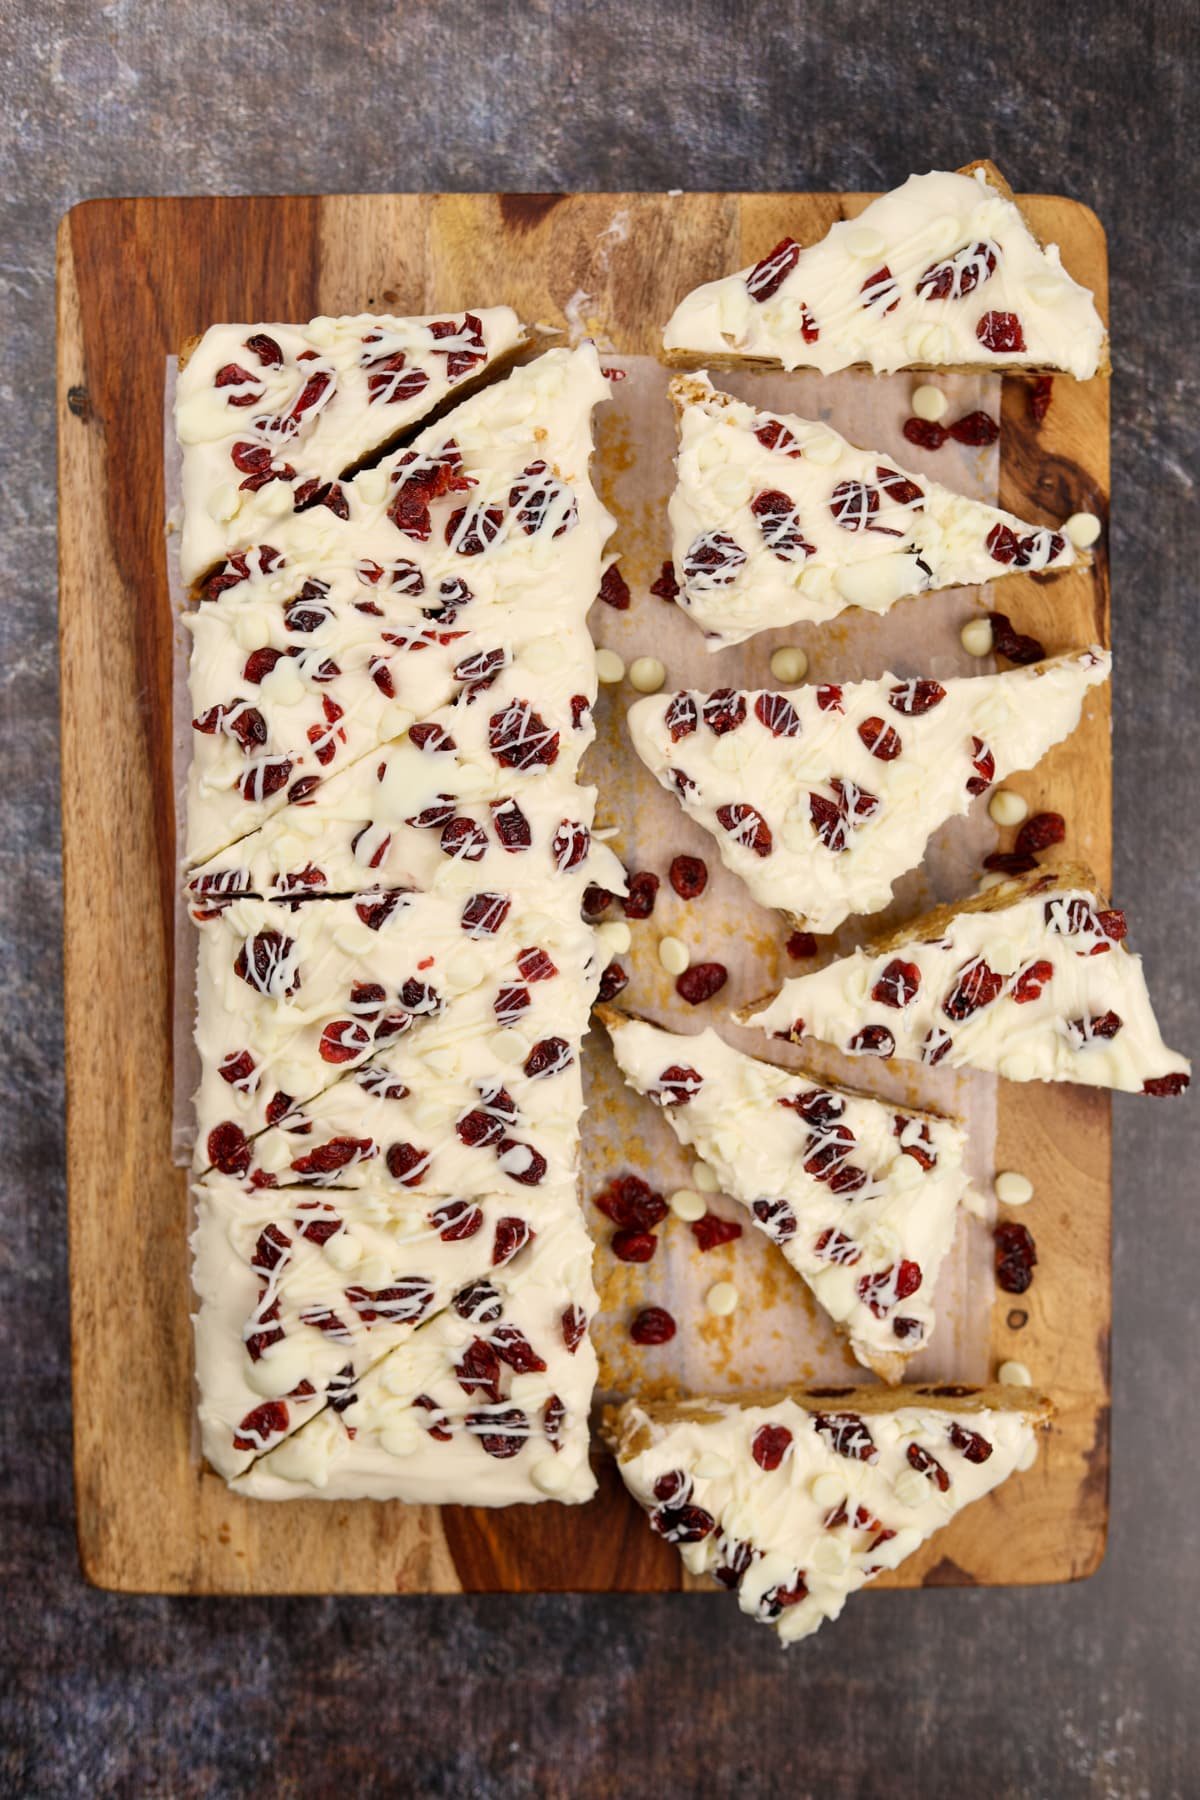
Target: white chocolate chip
x=609, y=667
x=1014, y=1374
x=647, y=674
x=509, y=1046
x=987, y=882
x=400, y=1440
x=910, y=1487
x=1007, y=807
x=826, y=1490
x=674, y=955
x=1013, y=1189
x=928, y=402
x=687, y=1205
x=824, y=449
x=712, y=1466
x=615, y=936
x=863, y=240
x=721, y=1299
x=976, y=637
x=372, y=486
x=1083, y=528
x=829, y=1555
x=225, y=503
x=789, y=663
x=551, y=1476
x=705, y=1179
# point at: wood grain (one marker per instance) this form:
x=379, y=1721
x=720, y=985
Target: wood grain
x=136, y=278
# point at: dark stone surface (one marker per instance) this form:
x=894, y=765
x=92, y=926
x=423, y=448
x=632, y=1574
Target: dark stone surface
x=1088, y=1690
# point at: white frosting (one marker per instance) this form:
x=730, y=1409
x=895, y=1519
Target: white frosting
x=775, y=519
x=1036, y=991
x=821, y=852
x=796, y=1539
x=360, y=407
x=528, y=547
x=868, y=292
x=488, y=1451
x=846, y=1193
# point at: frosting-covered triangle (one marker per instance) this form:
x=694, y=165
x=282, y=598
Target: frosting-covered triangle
x=941, y=273
x=775, y=519
x=820, y=797
x=861, y=1197
x=1030, y=980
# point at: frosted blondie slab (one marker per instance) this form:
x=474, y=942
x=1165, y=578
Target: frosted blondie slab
x=820, y=798
x=941, y=273
x=776, y=519
x=861, y=1197
x=271, y=416
x=797, y=1501
x=290, y=997
x=300, y=1295
x=1030, y=980
x=482, y=539
x=486, y=1405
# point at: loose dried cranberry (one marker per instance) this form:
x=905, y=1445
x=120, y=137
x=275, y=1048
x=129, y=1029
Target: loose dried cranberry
x=1040, y=833
x=984, y=765
x=778, y=715
x=614, y=589
x=1016, y=1257
x=228, y=1149
x=634, y=1246
x=681, y=717
x=1001, y=333
x=898, y=984
x=779, y=523
x=665, y=587
x=770, y=1445
x=800, y=945
x=574, y=1325
x=975, y=986
x=768, y=276
x=638, y=903
x=483, y=914
x=915, y=697
x=1040, y=394
x=853, y=505
x=1013, y=645
x=973, y=1445
x=612, y=981
x=653, y=1325
x=926, y=433
x=688, y=876
x=677, y=1085
x=631, y=1204
x=596, y=901
x=776, y=1218
x=1165, y=1087
x=701, y=982
x=711, y=1231
x=713, y=560
x=881, y=740
x=873, y=1040
x=975, y=428
x=1008, y=862
x=924, y=1464
x=846, y=1435
x=724, y=710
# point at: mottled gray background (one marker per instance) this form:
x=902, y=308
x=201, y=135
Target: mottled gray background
x=1088, y=1690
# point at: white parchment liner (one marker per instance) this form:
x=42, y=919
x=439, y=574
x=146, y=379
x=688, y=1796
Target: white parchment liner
x=777, y=1333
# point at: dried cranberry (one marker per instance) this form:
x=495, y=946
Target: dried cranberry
x=713, y=560
x=511, y=1235
x=570, y=845
x=511, y=826
x=801, y=944
x=975, y=428
x=1001, y=333
x=898, y=984
x=881, y=740
x=338, y=1153
x=1041, y=832
x=984, y=765
x=887, y=1287
x=784, y=1594
x=778, y=715
x=711, y=1231
x=853, y=505
x=688, y=876
x=638, y=903
x=514, y=1349
x=574, y=1325
x=550, y=1056
x=631, y=1204
x=634, y=1246
x=455, y=1220
x=835, y=1247
x=829, y=697
x=432, y=739
x=406, y=1163
x=846, y=1435
x=975, y=986
x=678, y=1085
x=228, y=1148
x=916, y=697
x=1008, y=862
x=1165, y=1087
x=614, y=589
x=747, y=827
x=502, y=1433
x=773, y=435
x=1016, y=1257
x=1040, y=394
x=665, y=586
x=613, y=980
x=653, y=1325
x=483, y=914
x=596, y=901
x=881, y=291
x=701, y=982
x=768, y=276
x=959, y=274
x=469, y=530
x=237, y=1068
x=926, y=433
x=1013, y=645
x=770, y=1445
x=262, y=963
x=779, y=523
x=260, y=1427
x=924, y=1464
x=681, y=717
x=873, y=1040
x=520, y=738
x=724, y=710
x=682, y=1524
x=972, y=1444
x=1100, y=1025
x=1030, y=982
x=464, y=840
x=776, y=1218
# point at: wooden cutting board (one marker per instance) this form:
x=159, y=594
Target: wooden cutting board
x=136, y=278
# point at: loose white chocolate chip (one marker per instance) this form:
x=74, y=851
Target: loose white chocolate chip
x=1007, y=807
x=789, y=663
x=721, y=1299
x=976, y=637
x=705, y=1179
x=615, y=936
x=1014, y=1374
x=1083, y=529
x=687, y=1205
x=674, y=955
x=609, y=667
x=647, y=674
x=928, y=402
x=1013, y=1189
